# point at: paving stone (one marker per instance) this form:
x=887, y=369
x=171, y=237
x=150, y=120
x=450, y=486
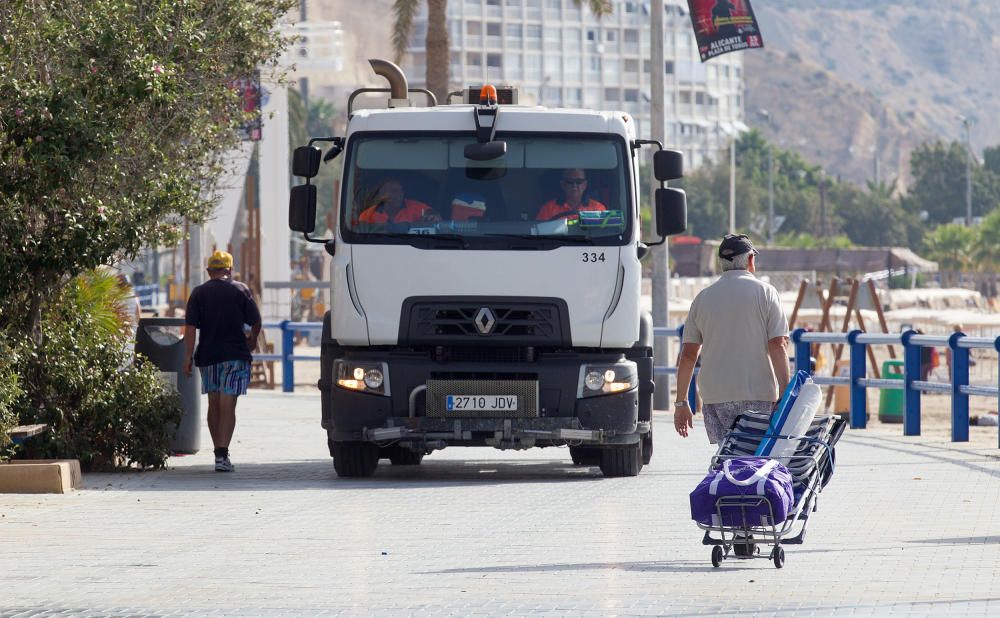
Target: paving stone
x=906, y=527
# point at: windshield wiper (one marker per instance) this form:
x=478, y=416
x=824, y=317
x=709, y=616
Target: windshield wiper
x=567, y=238
x=462, y=241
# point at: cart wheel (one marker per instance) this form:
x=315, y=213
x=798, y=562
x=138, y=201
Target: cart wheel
x=779, y=556
x=716, y=556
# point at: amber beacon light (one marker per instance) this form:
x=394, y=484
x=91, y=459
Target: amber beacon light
x=488, y=95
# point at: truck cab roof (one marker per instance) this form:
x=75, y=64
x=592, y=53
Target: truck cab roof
x=459, y=117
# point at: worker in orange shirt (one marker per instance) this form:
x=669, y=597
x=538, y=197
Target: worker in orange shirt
x=574, y=186
x=391, y=205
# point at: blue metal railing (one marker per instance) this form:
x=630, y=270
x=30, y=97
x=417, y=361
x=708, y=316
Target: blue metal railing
x=912, y=342
x=148, y=295
x=857, y=379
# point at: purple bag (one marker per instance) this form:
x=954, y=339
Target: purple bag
x=744, y=476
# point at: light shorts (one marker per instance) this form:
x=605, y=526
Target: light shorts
x=228, y=378
x=719, y=417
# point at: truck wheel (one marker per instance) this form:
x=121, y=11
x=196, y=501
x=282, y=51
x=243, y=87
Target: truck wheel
x=621, y=461
x=355, y=459
x=647, y=447
x=585, y=455
x=400, y=456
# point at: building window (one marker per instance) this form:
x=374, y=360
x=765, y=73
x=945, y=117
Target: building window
x=595, y=63
x=513, y=30
x=684, y=96
x=493, y=29
x=533, y=31
x=631, y=95
x=630, y=7
x=610, y=36
x=699, y=98
x=492, y=2
x=474, y=27
x=631, y=35
x=474, y=59
x=631, y=65
x=668, y=67
x=611, y=94
x=493, y=60
x=645, y=66
x=591, y=35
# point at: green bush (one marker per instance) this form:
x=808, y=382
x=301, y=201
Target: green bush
x=10, y=390
x=101, y=408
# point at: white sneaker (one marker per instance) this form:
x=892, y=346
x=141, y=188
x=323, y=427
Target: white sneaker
x=222, y=464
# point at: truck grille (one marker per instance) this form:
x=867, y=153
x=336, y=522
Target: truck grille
x=525, y=390
x=485, y=321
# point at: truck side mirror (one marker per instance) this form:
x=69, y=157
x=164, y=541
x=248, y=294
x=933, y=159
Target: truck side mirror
x=305, y=161
x=668, y=165
x=671, y=211
x=302, y=208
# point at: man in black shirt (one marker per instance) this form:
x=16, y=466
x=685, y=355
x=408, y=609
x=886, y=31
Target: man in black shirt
x=219, y=308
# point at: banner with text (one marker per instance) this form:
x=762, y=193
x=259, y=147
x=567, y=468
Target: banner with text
x=723, y=26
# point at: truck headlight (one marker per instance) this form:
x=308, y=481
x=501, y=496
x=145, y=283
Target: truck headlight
x=362, y=376
x=607, y=379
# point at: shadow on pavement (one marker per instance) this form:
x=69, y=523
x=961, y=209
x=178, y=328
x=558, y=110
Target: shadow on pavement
x=319, y=474
x=676, y=566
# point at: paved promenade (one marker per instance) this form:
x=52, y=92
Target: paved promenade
x=908, y=526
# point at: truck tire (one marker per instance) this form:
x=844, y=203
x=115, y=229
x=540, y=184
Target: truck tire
x=621, y=461
x=585, y=455
x=647, y=447
x=355, y=459
x=401, y=456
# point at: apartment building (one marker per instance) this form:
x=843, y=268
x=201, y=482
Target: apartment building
x=560, y=55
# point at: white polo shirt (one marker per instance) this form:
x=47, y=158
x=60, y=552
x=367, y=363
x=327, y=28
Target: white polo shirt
x=733, y=319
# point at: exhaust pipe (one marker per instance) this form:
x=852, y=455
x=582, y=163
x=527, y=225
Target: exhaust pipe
x=398, y=88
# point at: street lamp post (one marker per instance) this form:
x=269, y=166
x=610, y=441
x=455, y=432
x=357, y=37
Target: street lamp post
x=968, y=171
x=770, y=183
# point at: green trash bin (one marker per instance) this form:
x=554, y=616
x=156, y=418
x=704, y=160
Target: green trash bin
x=891, y=401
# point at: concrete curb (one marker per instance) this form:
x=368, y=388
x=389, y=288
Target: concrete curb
x=40, y=476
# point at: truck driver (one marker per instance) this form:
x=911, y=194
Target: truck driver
x=392, y=205
x=574, y=187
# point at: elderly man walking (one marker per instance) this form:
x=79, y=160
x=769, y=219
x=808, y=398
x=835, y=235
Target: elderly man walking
x=218, y=309
x=740, y=328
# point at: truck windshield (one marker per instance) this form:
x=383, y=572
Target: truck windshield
x=545, y=190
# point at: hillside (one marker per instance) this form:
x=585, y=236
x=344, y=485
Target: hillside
x=899, y=71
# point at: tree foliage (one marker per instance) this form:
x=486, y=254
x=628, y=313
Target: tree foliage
x=112, y=116
x=101, y=407
x=874, y=215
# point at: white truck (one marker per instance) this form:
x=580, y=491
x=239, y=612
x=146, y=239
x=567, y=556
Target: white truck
x=477, y=298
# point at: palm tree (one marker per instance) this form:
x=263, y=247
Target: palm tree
x=438, y=58
x=951, y=245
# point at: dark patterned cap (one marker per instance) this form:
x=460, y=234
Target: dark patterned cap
x=733, y=245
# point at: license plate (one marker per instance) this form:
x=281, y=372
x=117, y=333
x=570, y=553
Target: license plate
x=480, y=403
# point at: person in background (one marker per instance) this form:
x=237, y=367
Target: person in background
x=740, y=328
x=574, y=187
x=218, y=310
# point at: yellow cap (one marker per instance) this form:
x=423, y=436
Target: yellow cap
x=220, y=259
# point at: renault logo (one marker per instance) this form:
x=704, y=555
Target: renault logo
x=485, y=320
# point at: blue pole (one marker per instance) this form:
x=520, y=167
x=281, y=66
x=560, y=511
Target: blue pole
x=801, y=352
x=959, y=400
x=996, y=344
x=911, y=373
x=287, y=367
x=859, y=370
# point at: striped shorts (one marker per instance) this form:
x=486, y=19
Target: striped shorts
x=228, y=378
x=719, y=417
